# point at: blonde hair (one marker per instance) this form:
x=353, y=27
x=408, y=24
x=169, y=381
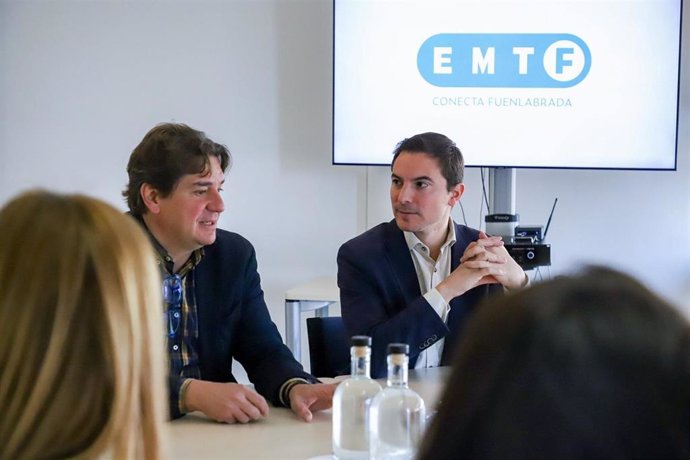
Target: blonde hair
x=81, y=343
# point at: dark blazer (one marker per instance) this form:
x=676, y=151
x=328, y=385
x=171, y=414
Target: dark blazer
x=380, y=295
x=234, y=322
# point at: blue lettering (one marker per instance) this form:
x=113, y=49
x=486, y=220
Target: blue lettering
x=560, y=62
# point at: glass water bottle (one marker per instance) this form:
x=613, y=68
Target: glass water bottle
x=397, y=414
x=351, y=402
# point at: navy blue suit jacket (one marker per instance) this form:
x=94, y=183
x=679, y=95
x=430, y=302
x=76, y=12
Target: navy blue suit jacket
x=380, y=295
x=234, y=322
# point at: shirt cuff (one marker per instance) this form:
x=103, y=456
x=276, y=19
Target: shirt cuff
x=182, y=394
x=284, y=392
x=525, y=284
x=437, y=302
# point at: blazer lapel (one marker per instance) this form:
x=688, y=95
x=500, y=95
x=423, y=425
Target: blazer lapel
x=457, y=313
x=400, y=261
x=456, y=252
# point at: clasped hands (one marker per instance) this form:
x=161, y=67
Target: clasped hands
x=485, y=261
x=236, y=403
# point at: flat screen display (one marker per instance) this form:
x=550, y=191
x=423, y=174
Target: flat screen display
x=521, y=83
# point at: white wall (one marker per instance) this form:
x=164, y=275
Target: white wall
x=81, y=82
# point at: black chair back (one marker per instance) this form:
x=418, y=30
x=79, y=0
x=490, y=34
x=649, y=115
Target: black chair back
x=329, y=346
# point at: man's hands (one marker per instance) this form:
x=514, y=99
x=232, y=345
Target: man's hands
x=235, y=403
x=485, y=261
x=512, y=276
x=225, y=402
x=308, y=398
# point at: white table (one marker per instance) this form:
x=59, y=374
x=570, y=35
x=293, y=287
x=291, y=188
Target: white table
x=317, y=294
x=280, y=435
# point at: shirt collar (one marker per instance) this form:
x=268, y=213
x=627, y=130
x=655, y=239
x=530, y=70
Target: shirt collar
x=164, y=260
x=414, y=242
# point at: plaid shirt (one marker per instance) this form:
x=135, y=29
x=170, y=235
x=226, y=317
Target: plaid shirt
x=183, y=358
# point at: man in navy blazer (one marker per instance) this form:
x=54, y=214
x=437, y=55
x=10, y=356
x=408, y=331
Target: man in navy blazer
x=417, y=278
x=214, y=306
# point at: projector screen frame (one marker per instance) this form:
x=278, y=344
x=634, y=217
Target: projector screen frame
x=670, y=165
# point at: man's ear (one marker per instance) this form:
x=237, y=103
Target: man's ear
x=151, y=198
x=455, y=194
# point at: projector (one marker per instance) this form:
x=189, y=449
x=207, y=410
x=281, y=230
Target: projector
x=530, y=256
x=529, y=233
x=524, y=243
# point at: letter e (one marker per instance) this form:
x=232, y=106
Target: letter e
x=442, y=56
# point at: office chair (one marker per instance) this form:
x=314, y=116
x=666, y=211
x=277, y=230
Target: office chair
x=329, y=346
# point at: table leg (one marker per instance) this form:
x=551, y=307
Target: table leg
x=293, y=337
x=322, y=312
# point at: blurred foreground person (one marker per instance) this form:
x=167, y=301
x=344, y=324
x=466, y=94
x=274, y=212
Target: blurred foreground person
x=81, y=353
x=589, y=366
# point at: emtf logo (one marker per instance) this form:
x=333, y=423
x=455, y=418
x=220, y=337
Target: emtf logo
x=504, y=60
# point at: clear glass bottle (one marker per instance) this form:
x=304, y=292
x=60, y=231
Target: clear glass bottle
x=397, y=414
x=351, y=402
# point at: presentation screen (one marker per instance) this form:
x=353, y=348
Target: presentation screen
x=521, y=83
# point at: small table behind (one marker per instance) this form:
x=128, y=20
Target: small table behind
x=280, y=435
x=317, y=294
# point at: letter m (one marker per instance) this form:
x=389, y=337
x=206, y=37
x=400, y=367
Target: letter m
x=483, y=63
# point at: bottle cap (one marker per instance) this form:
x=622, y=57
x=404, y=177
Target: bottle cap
x=360, y=341
x=398, y=348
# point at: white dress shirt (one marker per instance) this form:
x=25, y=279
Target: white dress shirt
x=430, y=273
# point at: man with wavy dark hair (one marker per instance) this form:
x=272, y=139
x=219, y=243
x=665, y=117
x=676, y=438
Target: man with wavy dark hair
x=215, y=308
